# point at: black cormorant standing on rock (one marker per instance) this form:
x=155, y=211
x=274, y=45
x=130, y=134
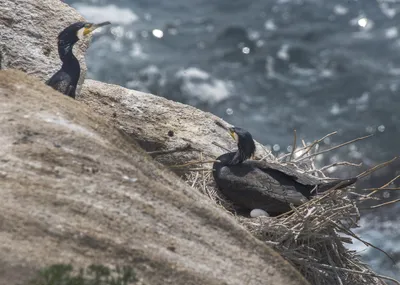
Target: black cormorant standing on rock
x=268, y=186
x=66, y=79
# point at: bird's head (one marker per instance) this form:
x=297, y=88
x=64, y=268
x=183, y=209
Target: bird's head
x=77, y=31
x=245, y=142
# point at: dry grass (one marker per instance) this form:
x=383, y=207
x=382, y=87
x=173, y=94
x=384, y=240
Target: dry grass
x=312, y=237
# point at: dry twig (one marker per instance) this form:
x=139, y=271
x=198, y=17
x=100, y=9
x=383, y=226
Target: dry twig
x=375, y=168
x=192, y=163
x=383, y=187
x=294, y=145
x=310, y=147
x=341, y=163
x=385, y=204
x=333, y=148
x=221, y=146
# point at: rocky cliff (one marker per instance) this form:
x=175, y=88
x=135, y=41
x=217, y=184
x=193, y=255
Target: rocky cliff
x=73, y=189
x=76, y=185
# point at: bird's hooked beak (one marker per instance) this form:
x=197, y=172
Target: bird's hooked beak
x=233, y=134
x=91, y=27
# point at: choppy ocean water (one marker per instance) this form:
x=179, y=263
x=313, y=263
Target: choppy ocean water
x=316, y=66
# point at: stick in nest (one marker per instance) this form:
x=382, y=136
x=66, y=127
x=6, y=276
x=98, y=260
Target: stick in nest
x=350, y=233
x=383, y=187
x=192, y=163
x=384, y=204
x=379, y=189
x=341, y=163
x=356, y=272
x=333, y=148
x=375, y=168
x=218, y=145
x=309, y=148
x=294, y=145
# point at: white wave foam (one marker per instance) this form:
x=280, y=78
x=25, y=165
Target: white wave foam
x=137, y=51
x=193, y=72
x=198, y=83
x=283, y=52
x=340, y=10
x=391, y=33
x=110, y=13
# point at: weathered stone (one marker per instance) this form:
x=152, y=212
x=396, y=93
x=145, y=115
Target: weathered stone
x=28, y=37
x=74, y=189
x=161, y=124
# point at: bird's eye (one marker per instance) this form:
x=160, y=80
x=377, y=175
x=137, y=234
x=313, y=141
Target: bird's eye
x=88, y=25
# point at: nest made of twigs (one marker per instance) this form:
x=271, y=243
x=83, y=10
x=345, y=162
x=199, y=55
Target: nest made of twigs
x=311, y=237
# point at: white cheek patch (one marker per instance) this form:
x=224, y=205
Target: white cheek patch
x=80, y=34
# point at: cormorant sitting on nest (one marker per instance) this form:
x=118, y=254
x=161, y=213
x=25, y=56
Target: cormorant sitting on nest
x=66, y=79
x=269, y=186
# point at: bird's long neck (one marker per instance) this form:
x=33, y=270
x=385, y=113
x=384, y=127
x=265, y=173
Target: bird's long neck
x=231, y=158
x=70, y=62
x=227, y=159
x=237, y=157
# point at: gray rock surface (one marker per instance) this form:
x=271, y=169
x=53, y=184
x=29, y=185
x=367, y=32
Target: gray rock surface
x=75, y=189
x=28, y=36
x=29, y=29
x=161, y=124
